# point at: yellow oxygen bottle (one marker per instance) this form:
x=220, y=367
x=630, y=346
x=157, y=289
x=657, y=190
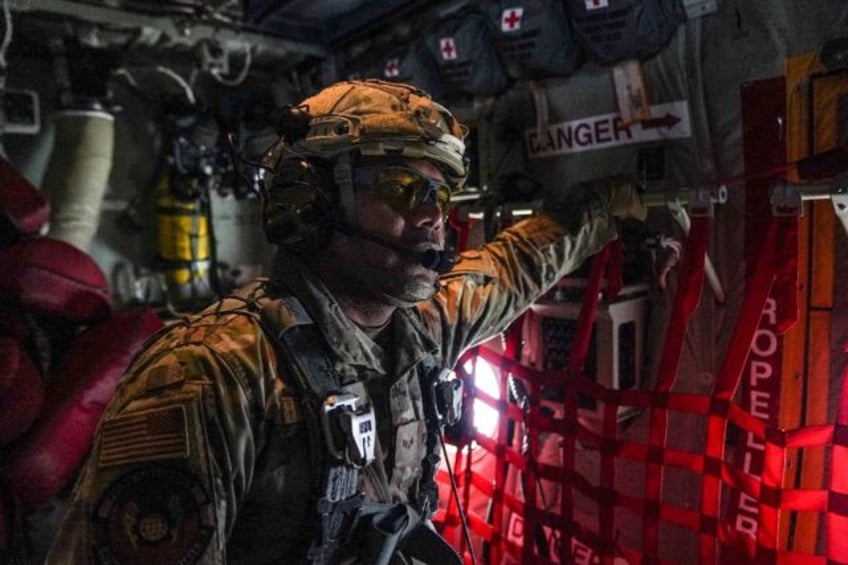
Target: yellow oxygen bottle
x=183, y=244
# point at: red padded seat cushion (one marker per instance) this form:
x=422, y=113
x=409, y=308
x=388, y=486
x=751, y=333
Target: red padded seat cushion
x=81, y=386
x=51, y=276
x=23, y=210
x=21, y=391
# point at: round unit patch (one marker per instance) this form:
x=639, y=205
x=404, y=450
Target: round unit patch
x=153, y=515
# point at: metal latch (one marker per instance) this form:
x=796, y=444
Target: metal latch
x=700, y=201
x=448, y=393
x=350, y=432
x=788, y=198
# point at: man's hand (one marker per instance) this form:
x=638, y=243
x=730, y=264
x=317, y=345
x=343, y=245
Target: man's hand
x=619, y=196
x=616, y=195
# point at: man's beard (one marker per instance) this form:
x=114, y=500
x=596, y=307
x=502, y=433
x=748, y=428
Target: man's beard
x=401, y=284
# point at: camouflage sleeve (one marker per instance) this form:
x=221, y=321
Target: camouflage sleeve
x=174, y=453
x=489, y=287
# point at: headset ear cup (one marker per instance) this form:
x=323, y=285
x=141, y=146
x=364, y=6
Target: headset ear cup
x=297, y=212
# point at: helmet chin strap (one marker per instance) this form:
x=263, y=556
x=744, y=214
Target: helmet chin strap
x=343, y=177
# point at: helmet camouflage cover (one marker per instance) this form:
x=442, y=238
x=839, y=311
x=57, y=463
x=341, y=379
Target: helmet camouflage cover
x=378, y=118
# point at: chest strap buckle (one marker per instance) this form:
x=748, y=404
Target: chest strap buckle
x=448, y=396
x=350, y=432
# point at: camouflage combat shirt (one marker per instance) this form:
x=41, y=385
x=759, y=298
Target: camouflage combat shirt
x=202, y=455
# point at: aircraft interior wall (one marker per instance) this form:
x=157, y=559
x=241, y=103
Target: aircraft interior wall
x=554, y=133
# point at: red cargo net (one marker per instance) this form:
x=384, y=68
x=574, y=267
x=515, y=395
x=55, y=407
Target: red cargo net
x=717, y=540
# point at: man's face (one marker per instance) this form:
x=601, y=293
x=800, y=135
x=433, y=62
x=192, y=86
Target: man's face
x=402, y=203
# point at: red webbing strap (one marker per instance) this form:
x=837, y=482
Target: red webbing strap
x=837, y=504
x=785, y=289
x=690, y=282
x=606, y=506
x=529, y=479
x=512, y=353
x=588, y=310
x=735, y=545
x=606, y=485
x=761, y=454
x=615, y=270
x=575, y=364
x=758, y=287
x=771, y=257
x=785, y=292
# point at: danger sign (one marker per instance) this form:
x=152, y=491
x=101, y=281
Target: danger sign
x=670, y=121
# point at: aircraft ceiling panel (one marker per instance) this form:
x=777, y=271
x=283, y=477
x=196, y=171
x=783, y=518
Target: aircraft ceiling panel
x=327, y=22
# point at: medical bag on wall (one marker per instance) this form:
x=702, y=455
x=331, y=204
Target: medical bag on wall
x=624, y=29
x=533, y=38
x=411, y=64
x=465, y=56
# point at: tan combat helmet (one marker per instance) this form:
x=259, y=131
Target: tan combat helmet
x=368, y=118
x=378, y=118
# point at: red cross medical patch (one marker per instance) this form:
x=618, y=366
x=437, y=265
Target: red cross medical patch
x=511, y=19
x=392, y=68
x=596, y=4
x=448, y=48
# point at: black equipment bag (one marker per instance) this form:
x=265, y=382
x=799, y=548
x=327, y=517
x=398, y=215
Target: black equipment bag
x=612, y=30
x=533, y=37
x=411, y=64
x=465, y=55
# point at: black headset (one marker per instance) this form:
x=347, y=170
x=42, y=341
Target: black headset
x=300, y=207
x=298, y=211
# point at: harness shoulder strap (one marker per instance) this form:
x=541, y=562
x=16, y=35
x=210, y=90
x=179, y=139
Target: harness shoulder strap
x=347, y=436
x=344, y=432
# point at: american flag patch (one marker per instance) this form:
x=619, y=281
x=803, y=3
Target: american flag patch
x=148, y=435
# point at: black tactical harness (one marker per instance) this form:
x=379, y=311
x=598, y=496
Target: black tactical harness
x=348, y=435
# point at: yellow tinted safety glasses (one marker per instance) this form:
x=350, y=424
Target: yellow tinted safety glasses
x=402, y=188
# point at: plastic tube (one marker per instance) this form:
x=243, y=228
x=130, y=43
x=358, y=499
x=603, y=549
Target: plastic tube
x=78, y=174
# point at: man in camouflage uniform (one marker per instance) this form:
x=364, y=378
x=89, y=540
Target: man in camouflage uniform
x=205, y=453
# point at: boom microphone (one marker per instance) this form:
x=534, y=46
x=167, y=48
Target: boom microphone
x=437, y=260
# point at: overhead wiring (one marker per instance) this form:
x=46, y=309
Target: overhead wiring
x=238, y=79
x=4, y=46
x=189, y=93
x=128, y=75
x=7, y=33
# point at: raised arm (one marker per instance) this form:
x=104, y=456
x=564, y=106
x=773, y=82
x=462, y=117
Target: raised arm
x=489, y=287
